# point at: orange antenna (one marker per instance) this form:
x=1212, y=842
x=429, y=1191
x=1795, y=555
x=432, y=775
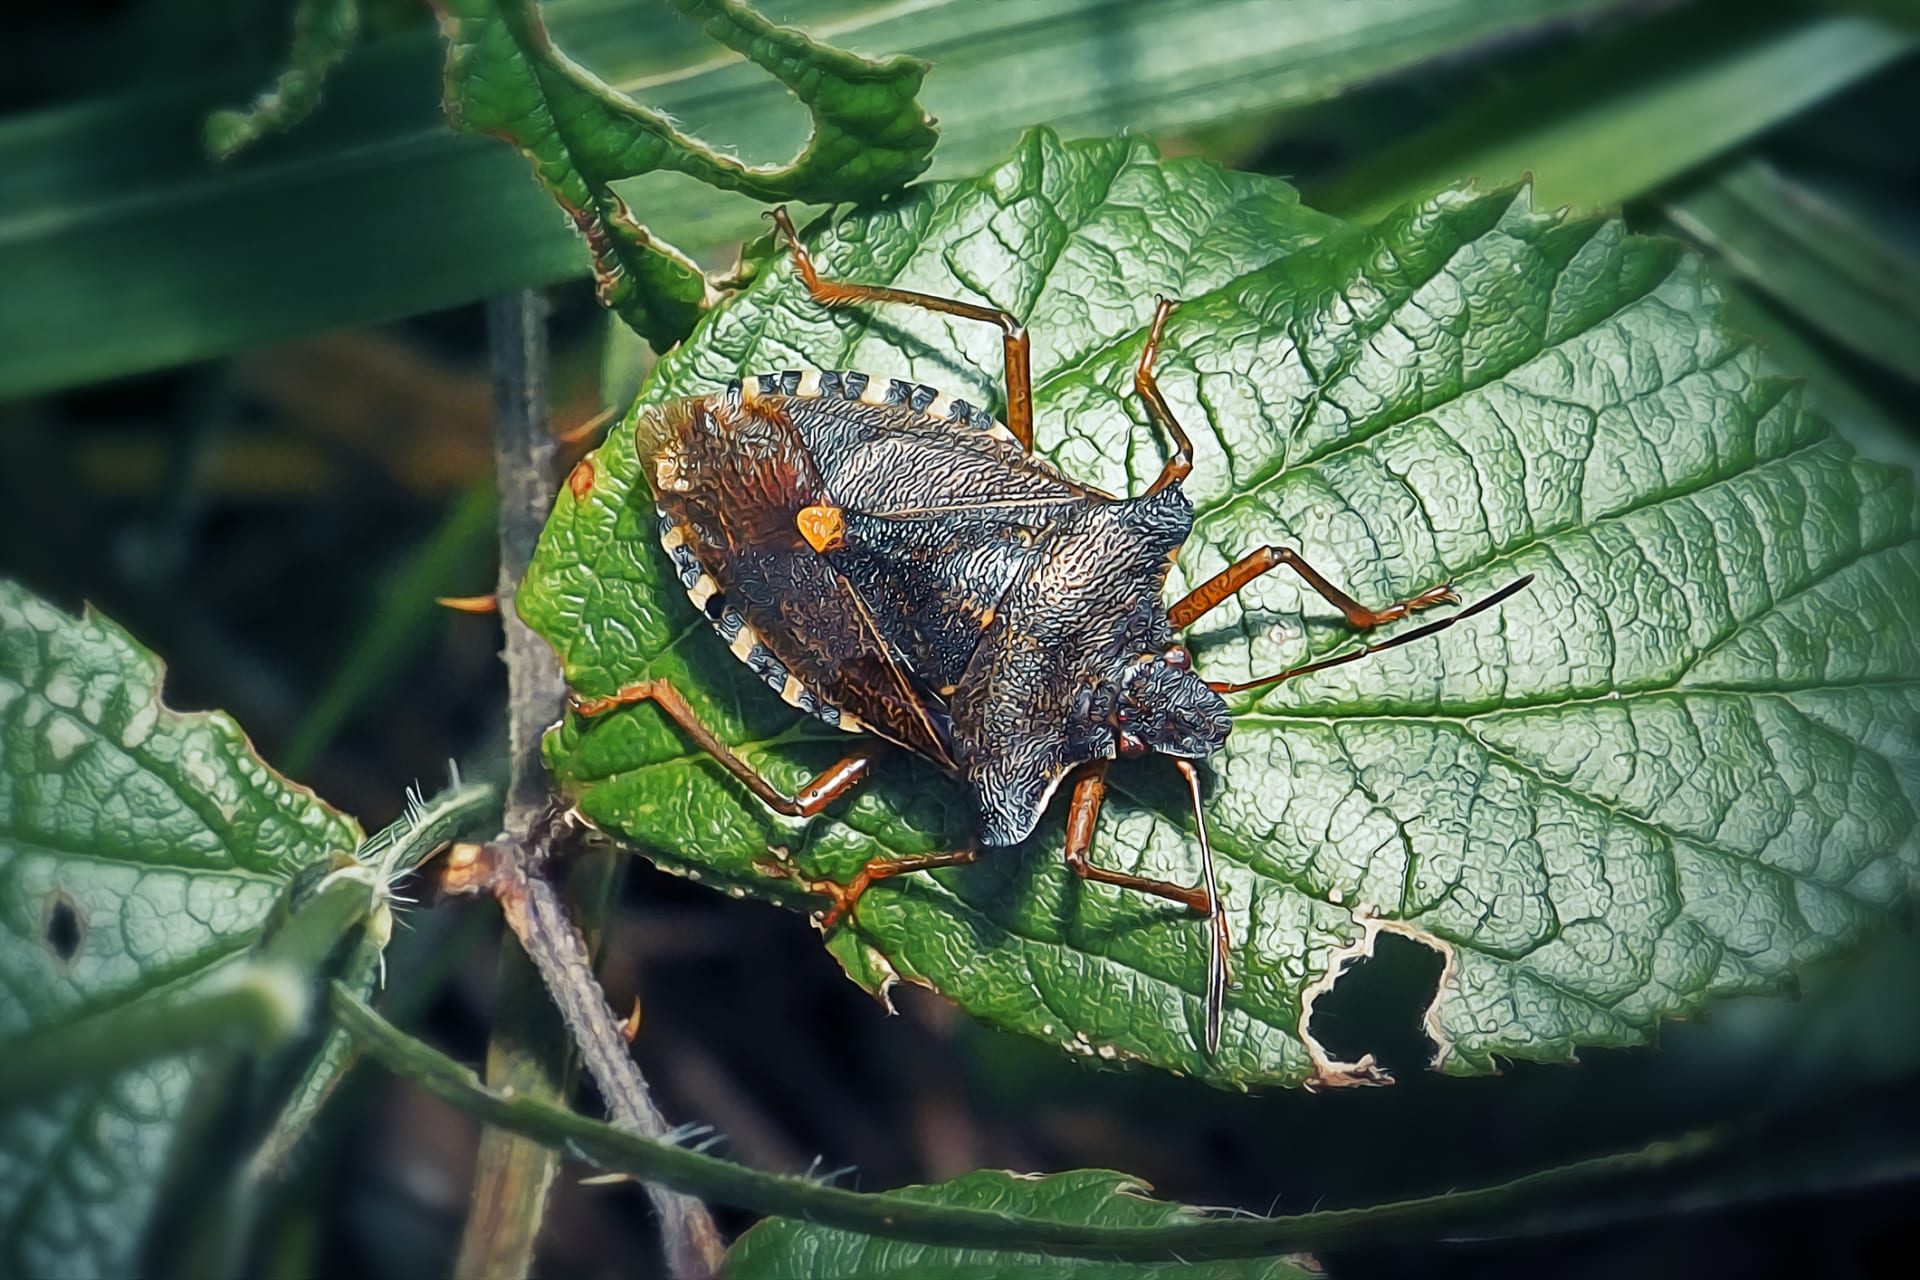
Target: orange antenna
x=1354, y=655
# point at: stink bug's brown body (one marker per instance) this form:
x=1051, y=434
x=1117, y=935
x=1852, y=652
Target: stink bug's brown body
x=888, y=559
x=892, y=560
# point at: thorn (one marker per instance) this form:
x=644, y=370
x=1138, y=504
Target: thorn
x=607, y=1180
x=631, y=1026
x=469, y=604
x=586, y=430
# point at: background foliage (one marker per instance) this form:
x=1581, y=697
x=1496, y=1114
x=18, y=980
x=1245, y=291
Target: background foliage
x=191, y=441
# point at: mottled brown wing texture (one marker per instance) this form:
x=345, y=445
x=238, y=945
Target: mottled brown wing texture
x=942, y=513
x=849, y=539
x=730, y=479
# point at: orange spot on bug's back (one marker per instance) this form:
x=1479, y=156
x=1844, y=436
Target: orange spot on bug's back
x=824, y=528
x=580, y=480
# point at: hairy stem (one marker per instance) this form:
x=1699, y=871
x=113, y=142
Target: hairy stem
x=529, y=1053
x=532, y=1052
x=901, y=1217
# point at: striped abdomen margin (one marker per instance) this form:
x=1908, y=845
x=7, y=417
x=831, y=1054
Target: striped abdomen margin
x=739, y=634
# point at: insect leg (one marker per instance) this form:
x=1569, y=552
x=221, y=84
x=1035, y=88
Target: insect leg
x=1354, y=655
x=836, y=293
x=804, y=803
x=1215, y=591
x=1181, y=463
x=877, y=869
x=1089, y=791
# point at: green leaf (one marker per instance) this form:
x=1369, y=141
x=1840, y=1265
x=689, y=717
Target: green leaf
x=323, y=32
x=781, y=1247
x=1619, y=116
x=869, y=137
x=142, y=851
x=1811, y=256
x=123, y=249
x=1831, y=390
x=1682, y=764
x=424, y=828
x=248, y=1100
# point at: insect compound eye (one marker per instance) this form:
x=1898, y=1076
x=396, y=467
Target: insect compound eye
x=1131, y=745
x=1178, y=658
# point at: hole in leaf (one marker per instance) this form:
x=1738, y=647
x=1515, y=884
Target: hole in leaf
x=1379, y=1004
x=63, y=929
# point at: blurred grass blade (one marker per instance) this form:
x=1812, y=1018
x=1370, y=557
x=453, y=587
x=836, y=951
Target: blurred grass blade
x=1812, y=257
x=254, y=1007
x=404, y=618
x=1618, y=117
x=123, y=247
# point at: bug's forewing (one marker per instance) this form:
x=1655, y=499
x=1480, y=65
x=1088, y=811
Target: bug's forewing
x=733, y=478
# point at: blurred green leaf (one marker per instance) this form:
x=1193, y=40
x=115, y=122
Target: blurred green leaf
x=1622, y=114
x=783, y=1247
x=1811, y=256
x=424, y=828
x=1904, y=12
x=124, y=248
x=323, y=32
x=246, y=1099
x=142, y=852
x=1673, y=769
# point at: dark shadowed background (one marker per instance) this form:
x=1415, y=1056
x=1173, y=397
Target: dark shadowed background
x=245, y=411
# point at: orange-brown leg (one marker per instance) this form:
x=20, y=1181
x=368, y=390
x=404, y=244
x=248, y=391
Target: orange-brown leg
x=804, y=803
x=1089, y=791
x=836, y=293
x=1180, y=465
x=1215, y=591
x=1354, y=655
x=845, y=896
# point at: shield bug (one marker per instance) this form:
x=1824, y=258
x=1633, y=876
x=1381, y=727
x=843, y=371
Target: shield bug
x=894, y=561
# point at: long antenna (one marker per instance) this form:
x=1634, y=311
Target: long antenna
x=1354, y=655
x=1220, y=940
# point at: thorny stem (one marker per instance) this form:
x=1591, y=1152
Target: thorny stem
x=519, y=863
x=1521, y=1208
x=525, y=461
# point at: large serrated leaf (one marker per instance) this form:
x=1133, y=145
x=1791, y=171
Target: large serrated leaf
x=1682, y=764
x=781, y=1247
x=141, y=850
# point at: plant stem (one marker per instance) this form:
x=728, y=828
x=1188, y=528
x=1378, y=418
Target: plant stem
x=531, y=1052
x=903, y=1217
x=525, y=457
